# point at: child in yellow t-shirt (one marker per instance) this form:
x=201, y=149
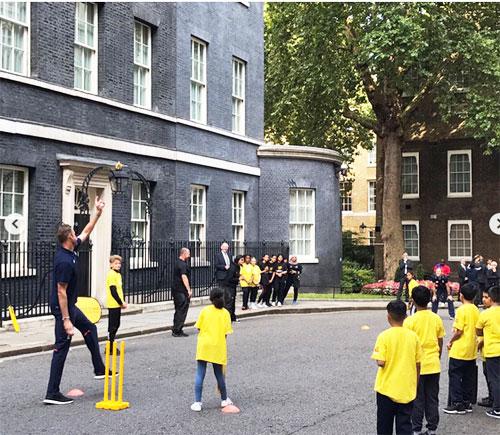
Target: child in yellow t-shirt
x=463, y=352
x=488, y=326
x=214, y=324
x=411, y=283
x=430, y=331
x=397, y=352
x=114, y=296
x=485, y=401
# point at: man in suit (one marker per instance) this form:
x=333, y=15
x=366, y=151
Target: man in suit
x=462, y=273
x=405, y=266
x=222, y=264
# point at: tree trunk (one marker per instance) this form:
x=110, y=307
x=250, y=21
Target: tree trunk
x=392, y=230
x=379, y=250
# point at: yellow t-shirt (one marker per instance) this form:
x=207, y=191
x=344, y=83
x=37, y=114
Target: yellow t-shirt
x=400, y=349
x=246, y=272
x=256, y=275
x=465, y=348
x=214, y=324
x=113, y=278
x=411, y=285
x=428, y=327
x=489, y=322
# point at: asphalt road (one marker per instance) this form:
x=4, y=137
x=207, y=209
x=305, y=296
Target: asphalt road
x=293, y=374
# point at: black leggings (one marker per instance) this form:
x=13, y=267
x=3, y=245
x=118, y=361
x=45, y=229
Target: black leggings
x=114, y=315
x=278, y=288
x=291, y=281
x=266, y=294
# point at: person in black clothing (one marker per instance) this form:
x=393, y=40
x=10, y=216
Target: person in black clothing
x=476, y=273
x=265, y=276
x=181, y=291
x=442, y=293
x=279, y=282
x=67, y=316
x=462, y=273
x=405, y=266
x=230, y=283
x=493, y=274
x=292, y=279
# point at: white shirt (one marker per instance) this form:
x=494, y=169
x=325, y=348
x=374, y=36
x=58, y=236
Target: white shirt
x=226, y=258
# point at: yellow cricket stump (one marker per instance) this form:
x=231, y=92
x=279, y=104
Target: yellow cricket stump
x=110, y=403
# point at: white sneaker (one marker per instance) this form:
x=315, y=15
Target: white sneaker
x=196, y=406
x=279, y=304
x=225, y=403
x=273, y=304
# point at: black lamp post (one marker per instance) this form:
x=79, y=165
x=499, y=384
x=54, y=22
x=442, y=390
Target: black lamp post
x=119, y=180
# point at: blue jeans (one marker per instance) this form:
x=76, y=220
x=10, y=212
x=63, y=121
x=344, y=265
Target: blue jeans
x=201, y=370
x=63, y=342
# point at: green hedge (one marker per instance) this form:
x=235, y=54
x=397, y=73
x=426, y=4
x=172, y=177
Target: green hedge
x=355, y=276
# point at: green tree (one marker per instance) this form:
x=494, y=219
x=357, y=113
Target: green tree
x=339, y=73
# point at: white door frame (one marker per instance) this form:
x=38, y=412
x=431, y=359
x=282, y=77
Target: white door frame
x=73, y=175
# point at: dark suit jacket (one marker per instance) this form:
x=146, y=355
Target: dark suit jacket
x=409, y=266
x=462, y=275
x=220, y=266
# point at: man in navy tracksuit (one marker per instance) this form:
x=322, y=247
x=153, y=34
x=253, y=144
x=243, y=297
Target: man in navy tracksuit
x=62, y=303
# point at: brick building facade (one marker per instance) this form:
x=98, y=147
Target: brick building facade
x=174, y=91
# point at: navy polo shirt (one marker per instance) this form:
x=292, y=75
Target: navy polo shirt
x=65, y=271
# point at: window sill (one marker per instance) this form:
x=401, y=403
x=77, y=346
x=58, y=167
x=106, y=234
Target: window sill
x=410, y=196
x=413, y=258
x=307, y=260
x=467, y=258
x=16, y=272
x=140, y=263
x=460, y=195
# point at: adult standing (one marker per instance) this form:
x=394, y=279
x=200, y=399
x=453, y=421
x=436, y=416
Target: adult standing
x=462, y=273
x=181, y=291
x=280, y=270
x=232, y=280
x=477, y=276
x=292, y=279
x=222, y=264
x=67, y=316
x=405, y=266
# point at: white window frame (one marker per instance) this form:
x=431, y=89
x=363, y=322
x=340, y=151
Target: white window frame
x=202, y=84
x=458, y=194
x=234, y=223
x=411, y=195
x=95, y=49
x=26, y=41
x=459, y=222
x=311, y=256
x=342, y=190
x=417, y=224
x=370, y=210
x=238, y=100
x=372, y=156
x=17, y=269
x=140, y=261
x=203, y=222
x=146, y=67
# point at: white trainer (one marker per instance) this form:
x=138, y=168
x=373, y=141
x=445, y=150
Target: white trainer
x=273, y=304
x=226, y=402
x=196, y=406
x=279, y=304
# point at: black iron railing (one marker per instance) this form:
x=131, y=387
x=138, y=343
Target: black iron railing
x=147, y=270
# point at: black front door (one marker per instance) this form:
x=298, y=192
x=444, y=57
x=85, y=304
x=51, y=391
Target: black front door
x=84, y=257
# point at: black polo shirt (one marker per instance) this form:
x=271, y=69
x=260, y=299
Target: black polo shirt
x=65, y=271
x=180, y=268
x=440, y=282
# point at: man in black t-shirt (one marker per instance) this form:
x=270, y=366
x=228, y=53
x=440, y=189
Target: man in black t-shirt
x=181, y=291
x=442, y=293
x=63, y=298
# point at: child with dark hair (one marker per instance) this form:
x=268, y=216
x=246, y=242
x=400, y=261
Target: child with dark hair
x=488, y=326
x=397, y=352
x=410, y=284
x=485, y=401
x=463, y=352
x=214, y=324
x=430, y=331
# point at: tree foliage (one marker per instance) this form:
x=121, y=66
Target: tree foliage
x=339, y=73
x=336, y=72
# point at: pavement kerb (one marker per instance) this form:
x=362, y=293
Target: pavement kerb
x=134, y=332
